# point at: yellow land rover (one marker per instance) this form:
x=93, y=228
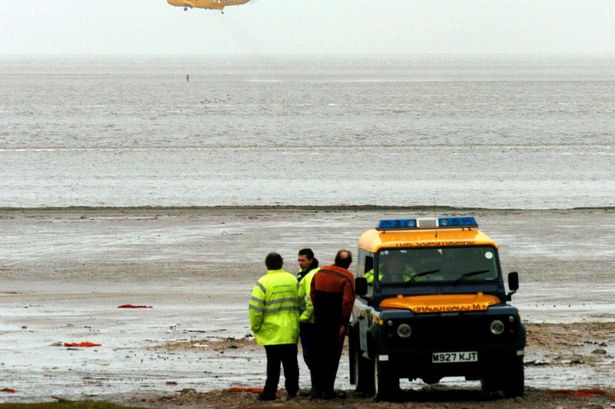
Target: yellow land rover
x=431, y=303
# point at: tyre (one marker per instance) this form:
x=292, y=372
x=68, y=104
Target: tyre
x=364, y=370
x=352, y=357
x=489, y=383
x=514, y=379
x=508, y=378
x=430, y=380
x=386, y=384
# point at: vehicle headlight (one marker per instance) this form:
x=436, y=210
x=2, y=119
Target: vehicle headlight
x=497, y=327
x=404, y=330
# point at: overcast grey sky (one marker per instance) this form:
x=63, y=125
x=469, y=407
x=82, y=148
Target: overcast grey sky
x=274, y=27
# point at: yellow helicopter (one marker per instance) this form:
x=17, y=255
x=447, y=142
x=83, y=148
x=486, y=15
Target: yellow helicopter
x=206, y=4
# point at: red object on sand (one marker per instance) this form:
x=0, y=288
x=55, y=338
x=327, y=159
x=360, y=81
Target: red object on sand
x=8, y=390
x=581, y=393
x=249, y=390
x=134, y=306
x=85, y=344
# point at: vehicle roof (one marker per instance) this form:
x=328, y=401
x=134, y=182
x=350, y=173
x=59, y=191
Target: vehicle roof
x=374, y=240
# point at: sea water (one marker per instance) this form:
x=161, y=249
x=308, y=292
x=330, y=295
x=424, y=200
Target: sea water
x=521, y=132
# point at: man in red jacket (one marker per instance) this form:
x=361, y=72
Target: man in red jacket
x=332, y=293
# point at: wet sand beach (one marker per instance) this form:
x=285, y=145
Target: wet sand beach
x=64, y=272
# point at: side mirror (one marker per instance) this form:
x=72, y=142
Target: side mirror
x=360, y=286
x=513, y=281
x=513, y=284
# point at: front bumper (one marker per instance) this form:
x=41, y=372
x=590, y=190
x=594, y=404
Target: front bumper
x=411, y=363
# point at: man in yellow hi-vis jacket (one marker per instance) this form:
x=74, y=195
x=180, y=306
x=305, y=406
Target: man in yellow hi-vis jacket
x=309, y=267
x=392, y=270
x=274, y=318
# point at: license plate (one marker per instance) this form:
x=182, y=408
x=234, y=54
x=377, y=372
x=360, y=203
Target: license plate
x=454, y=357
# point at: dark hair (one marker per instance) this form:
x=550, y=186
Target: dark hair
x=307, y=252
x=343, y=258
x=274, y=261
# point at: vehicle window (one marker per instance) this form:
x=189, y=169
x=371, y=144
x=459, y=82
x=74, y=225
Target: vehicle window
x=428, y=265
x=369, y=263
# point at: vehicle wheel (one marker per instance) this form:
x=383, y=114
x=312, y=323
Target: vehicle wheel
x=364, y=370
x=352, y=358
x=488, y=383
x=509, y=379
x=514, y=381
x=386, y=384
x=431, y=380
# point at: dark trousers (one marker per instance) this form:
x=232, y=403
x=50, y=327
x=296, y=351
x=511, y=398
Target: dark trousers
x=328, y=349
x=307, y=332
x=285, y=354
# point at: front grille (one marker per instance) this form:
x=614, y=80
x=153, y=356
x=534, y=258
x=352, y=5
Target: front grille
x=458, y=332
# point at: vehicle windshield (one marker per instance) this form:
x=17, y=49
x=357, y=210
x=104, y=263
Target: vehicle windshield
x=429, y=265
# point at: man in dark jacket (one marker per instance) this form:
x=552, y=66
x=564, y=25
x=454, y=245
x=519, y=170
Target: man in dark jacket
x=332, y=293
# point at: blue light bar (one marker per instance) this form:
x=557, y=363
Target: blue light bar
x=457, y=221
x=428, y=223
x=396, y=224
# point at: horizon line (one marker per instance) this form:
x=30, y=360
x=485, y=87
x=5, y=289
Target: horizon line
x=310, y=55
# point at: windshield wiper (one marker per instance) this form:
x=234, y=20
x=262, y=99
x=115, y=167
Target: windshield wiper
x=470, y=274
x=424, y=273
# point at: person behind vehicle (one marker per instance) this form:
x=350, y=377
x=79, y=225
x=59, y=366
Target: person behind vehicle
x=274, y=319
x=309, y=266
x=391, y=270
x=332, y=293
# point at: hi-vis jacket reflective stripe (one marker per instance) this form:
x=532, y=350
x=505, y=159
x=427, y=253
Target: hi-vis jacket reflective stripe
x=274, y=309
x=305, y=301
